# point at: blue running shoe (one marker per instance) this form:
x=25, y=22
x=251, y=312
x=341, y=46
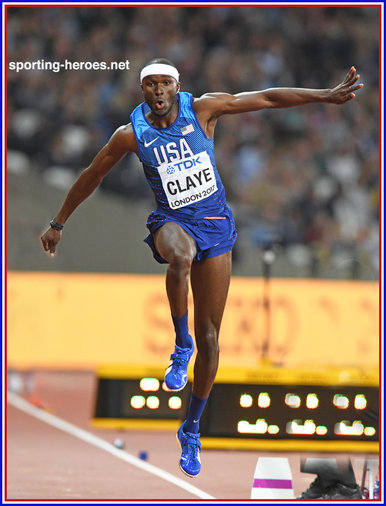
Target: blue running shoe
x=190, y=445
x=175, y=375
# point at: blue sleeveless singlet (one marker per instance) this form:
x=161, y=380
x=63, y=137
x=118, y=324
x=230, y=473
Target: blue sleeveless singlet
x=179, y=165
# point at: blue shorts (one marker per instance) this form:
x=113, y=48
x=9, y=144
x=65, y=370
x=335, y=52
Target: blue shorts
x=214, y=235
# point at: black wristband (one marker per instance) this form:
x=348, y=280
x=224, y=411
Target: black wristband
x=56, y=226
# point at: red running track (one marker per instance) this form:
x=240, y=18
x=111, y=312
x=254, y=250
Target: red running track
x=44, y=463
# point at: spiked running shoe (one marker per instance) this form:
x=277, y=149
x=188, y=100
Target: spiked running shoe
x=175, y=375
x=190, y=445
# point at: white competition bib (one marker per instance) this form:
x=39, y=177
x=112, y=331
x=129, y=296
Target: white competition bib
x=188, y=180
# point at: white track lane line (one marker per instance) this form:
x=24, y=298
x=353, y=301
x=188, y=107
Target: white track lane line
x=17, y=402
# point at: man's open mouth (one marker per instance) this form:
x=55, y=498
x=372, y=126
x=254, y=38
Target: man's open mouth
x=160, y=104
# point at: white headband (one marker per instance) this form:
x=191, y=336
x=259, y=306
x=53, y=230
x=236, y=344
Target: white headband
x=159, y=68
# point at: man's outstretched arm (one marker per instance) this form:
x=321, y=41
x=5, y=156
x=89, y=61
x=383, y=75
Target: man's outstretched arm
x=213, y=105
x=121, y=142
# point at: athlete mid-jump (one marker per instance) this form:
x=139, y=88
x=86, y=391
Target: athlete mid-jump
x=192, y=228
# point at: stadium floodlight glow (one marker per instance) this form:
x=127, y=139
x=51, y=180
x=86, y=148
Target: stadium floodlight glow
x=296, y=427
x=264, y=400
x=273, y=429
x=243, y=426
x=165, y=388
x=260, y=427
x=292, y=400
x=341, y=401
x=246, y=400
x=149, y=384
x=175, y=402
x=152, y=402
x=312, y=401
x=345, y=428
x=137, y=401
x=360, y=401
x=321, y=430
x=370, y=431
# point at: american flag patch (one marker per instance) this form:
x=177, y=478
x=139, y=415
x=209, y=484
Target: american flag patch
x=187, y=129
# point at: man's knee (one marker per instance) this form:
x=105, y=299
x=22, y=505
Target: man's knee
x=180, y=262
x=207, y=342
x=180, y=258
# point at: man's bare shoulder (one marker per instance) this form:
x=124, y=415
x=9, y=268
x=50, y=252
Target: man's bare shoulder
x=124, y=130
x=213, y=103
x=124, y=138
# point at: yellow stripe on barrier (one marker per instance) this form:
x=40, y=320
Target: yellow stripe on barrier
x=283, y=445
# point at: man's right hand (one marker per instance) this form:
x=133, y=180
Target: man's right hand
x=50, y=239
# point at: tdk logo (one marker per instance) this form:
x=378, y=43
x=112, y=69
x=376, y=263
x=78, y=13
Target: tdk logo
x=186, y=164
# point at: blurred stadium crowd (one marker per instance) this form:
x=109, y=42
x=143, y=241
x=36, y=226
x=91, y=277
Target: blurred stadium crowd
x=305, y=179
